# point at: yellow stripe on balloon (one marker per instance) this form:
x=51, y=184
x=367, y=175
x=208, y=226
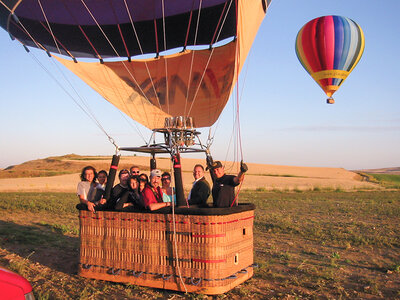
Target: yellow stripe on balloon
x=325, y=74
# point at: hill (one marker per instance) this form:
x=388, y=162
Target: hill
x=61, y=173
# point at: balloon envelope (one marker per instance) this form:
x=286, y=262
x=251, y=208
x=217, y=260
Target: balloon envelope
x=329, y=48
x=191, y=82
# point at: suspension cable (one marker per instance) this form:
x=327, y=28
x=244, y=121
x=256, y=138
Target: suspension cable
x=208, y=62
x=174, y=229
x=117, y=54
x=98, y=124
x=48, y=24
x=142, y=52
x=165, y=61
x=192, y=54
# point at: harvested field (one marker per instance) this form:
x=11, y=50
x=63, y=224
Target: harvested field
x=259, y=176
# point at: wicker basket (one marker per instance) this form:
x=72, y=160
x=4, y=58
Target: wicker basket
x=207, y=254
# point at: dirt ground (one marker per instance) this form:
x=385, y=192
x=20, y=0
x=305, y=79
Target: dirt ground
x=268, y=177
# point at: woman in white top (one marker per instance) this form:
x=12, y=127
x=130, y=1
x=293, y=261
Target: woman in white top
x=87, y=188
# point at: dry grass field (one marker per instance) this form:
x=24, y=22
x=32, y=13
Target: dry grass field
x=61, y=174
x=319, y=233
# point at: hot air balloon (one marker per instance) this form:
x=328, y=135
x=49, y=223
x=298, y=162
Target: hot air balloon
x=329, y=48
x=171, y=66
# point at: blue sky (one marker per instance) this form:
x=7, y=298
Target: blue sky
x=284, y=116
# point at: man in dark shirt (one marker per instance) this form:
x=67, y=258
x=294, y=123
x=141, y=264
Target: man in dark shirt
x=119, y=189
x=223, y=190
x=201, y=189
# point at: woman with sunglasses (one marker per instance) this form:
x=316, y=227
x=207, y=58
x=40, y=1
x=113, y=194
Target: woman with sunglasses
x=143, y=180
x=168, y=191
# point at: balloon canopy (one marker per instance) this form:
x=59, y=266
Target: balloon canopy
x=180, y=79
x=329, y=48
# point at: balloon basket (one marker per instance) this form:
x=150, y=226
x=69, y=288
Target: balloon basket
x=199, y=250
x=330, y=100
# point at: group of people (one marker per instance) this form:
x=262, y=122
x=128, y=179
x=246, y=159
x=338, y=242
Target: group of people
x=136, y=190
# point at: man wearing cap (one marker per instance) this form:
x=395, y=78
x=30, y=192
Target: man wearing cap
x=201, y=189
x=223, y=191
x=152, y=195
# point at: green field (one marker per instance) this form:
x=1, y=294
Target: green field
x=387, y=180
x=313, y=245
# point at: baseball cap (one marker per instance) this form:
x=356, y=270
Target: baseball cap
x=155, y=172
x=216, y=164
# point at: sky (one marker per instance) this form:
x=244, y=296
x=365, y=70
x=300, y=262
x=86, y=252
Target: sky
x=284, y=116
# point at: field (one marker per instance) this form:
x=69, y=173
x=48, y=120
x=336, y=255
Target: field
x=320, y=244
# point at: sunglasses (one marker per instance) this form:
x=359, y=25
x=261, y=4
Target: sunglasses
x=135, y=172
x=165, y=178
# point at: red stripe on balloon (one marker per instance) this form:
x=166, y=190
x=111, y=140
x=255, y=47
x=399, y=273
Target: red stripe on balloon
x=310, y=47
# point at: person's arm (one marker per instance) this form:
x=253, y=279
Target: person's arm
x=89, y=204
x=157, y=205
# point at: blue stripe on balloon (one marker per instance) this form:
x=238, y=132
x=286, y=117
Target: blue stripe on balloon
x=339, y=41
x=346, y=44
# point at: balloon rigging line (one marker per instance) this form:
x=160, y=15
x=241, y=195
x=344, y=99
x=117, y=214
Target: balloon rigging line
x=238, y=106
x=99, y=87
x=117, y=54
x=165, y=61
x=218, y=120
x=219, y=22
x=145, y=62
x=18, y=22
x=83, y=101
x=73, y=99
x=119, y=28
x=65, y=49
x=221, y=105
x=137, y=129
x=90, y=115
x=48, y=24
x=175, y=235
x=9, y=10
x=127, y=108
x=208, y=62
x=188, y=27
x=192, y=56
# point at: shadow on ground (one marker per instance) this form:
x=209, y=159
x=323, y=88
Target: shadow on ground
x=41, y=244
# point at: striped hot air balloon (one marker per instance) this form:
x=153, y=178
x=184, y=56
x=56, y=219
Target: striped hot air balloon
x=329, y=48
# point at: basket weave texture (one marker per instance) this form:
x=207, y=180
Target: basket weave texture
x=204, y=254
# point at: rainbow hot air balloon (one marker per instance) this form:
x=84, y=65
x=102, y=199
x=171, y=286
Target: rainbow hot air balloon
x=329, y=48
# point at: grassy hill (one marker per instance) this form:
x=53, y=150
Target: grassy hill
x=59, y=165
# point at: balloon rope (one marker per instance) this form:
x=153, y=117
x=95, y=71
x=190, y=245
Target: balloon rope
x=116, y=53
x=165, y=61
x=58, y=41
x=189, y=23
x=239, y=137
x=208, y=62
x=88, y=113
x=48, y=24
x=175, y=235
x=145, y=63
x=219, y=22
x=192, y=57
